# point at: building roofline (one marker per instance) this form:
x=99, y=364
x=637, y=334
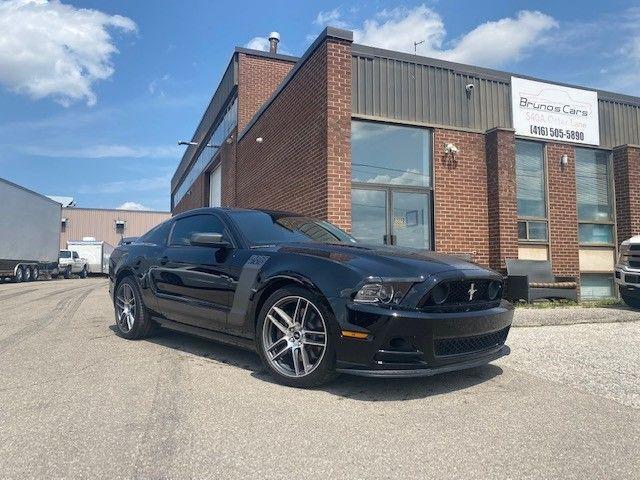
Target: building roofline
x=328, y=32
x=4, y=180
x=189, y=152
x=485, y=73
x=116, y=210
x=263, y=54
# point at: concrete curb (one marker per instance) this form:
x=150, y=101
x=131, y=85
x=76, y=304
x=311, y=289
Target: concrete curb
x=538, y=317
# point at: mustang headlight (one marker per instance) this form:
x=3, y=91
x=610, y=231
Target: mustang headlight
x=382, y=292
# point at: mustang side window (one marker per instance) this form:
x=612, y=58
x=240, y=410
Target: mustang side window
x=185, y=227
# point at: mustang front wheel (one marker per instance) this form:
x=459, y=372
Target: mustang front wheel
x=295, y=338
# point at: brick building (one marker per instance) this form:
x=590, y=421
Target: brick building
x=414, y=151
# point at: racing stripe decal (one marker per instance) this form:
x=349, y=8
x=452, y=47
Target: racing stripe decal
x=247, y=279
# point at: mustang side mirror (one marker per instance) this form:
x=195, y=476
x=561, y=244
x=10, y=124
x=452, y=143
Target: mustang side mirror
x=209, y=240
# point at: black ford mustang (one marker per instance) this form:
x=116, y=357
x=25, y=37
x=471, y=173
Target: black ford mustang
x=309, y=298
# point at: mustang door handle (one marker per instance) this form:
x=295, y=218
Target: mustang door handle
x=164, y=260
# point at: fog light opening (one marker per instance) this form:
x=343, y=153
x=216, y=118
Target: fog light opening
x=440, y=293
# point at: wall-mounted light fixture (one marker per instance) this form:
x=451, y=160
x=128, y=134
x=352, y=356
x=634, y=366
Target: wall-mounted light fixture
x=450, y=149
x=564, y=160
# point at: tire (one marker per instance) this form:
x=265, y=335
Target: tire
x=19, y=276
x=140, y=324
x=272, y=339
x=35, y=274
x=27, y=274
x=631, y=299
x=83, y=273
x=67, y=273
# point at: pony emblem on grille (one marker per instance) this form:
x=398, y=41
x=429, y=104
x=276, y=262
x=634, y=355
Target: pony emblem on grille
x=472, y=291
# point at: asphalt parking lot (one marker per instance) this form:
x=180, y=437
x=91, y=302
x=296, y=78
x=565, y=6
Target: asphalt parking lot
x=77, y=401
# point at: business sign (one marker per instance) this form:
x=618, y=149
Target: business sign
x=554, y=112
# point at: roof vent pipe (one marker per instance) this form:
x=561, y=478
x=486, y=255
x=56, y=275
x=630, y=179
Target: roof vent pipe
x=274, y=39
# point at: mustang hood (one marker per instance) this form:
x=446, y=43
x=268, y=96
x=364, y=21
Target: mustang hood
x=384, y=261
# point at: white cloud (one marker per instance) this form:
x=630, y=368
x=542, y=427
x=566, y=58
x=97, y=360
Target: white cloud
x=492, y=43
x=134, y=185
x=258, y=43
x=331, y=18
x=155, y=85
x=104, y=151
x=132, y=206
x=507, y=39
x=49, y=49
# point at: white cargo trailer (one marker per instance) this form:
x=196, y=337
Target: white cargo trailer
x=29, y=232
x=96, y=252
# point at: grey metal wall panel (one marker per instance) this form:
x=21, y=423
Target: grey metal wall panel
x=29, y=224
x=401, y=90
x=398, y=86
x=619, y=123
x=218, y=101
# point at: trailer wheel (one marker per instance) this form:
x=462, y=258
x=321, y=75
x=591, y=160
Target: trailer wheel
x=27, y=274
x=35, y=273
x=19, y=275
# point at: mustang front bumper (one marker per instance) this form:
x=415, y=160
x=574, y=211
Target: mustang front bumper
x=401, y=343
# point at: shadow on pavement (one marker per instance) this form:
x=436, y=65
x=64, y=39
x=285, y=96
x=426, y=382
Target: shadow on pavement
x=345, y=386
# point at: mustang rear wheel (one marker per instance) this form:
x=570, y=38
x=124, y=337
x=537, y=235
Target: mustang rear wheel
x=295, y=338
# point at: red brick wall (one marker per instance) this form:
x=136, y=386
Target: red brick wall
x=626, y=167
x=461, y=212
x=196, y=197
x=339, y=134
x=303, y=163
x=563, y=212
x=502, y=203
x=258, y=77
x=228, y=171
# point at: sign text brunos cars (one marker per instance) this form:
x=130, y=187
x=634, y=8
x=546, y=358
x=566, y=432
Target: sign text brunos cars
x=554, y=112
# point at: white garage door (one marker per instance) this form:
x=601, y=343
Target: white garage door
x=215, y=188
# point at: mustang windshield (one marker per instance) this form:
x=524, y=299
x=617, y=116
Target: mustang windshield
x=261, y=228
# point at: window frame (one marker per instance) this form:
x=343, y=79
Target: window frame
x=611, y=201
x=226, y=233
x=389, y=189
x=527, y=219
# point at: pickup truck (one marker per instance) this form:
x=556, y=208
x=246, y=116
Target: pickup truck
x=69, y=262
x=627, y=272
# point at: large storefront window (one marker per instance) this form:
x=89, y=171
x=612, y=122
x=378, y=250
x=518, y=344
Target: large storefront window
x=531, y=192
x=392, y=189
x=595, y=205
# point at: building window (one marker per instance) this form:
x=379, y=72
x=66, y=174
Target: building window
x=596, y=286
x=531, y=192
x=206, y=154
x=391, y=199
x=595, y=204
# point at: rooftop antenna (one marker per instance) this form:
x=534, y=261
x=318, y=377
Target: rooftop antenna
x=415, y=46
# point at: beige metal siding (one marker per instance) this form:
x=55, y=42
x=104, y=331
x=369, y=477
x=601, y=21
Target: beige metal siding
x=98, y=223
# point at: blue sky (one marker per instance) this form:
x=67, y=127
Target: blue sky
x=92, y=105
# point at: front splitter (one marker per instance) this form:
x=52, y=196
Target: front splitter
x=428, y=372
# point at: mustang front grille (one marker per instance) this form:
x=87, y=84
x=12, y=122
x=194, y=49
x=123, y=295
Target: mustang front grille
x=463, y=296
x=457, y=346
